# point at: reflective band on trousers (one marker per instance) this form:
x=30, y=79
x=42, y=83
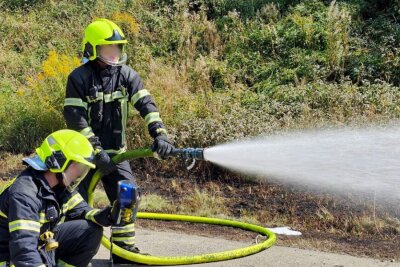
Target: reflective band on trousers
x=61, y=263
x=72, y=202
x=152, y=117
x=140, y=94
x=77, y=102
x=24, y=225
x=129, y=240
x=123, y=229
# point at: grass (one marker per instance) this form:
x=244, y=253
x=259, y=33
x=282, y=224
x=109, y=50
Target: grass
x=248, y=216
x=377, y=225
x=155, y=203
x=10, y=164
x=203, y=203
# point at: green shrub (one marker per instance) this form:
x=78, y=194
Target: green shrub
x=21, y=4
x=31, y=113
x=25, y=123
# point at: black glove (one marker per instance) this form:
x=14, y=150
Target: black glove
x=114, y=213
x=95, y=141
x=162, y=146
x=104, y=162
x=102, y=217
x=126, y=214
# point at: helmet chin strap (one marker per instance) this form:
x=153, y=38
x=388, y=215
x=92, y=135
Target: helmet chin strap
x=60, y=179
x=122, y=61
x=101, y=63
x=108, y=64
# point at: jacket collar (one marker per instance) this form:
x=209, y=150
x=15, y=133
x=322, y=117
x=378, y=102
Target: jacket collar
x=104, y=72
x=45, y=190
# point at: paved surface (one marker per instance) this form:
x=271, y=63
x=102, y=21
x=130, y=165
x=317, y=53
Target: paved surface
x=174, y=244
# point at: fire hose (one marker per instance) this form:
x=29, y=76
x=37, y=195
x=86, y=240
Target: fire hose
x=187, y=154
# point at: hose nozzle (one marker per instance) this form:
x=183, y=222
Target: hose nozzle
x=189, y=154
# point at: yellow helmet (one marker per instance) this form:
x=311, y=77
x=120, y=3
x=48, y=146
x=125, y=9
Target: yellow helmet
x=62, y=147
x=102, y=32
x=60, y=150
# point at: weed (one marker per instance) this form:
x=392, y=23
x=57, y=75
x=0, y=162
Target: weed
x=155, y=203
x=203, y=203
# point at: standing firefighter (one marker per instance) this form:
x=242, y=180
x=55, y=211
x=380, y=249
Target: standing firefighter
x=43, y=221
x=97, y=98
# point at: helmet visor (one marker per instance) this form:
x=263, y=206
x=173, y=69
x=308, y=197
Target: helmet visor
x=112, y=54
x=74, y=175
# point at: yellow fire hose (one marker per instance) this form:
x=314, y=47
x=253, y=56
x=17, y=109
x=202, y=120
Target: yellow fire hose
x=179, y=260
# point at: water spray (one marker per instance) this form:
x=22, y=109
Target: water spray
x=363, y=162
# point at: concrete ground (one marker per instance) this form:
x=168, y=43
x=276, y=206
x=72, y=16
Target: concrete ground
x=173, y=244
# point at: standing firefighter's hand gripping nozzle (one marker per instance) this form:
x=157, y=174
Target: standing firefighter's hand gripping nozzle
x=188, y=154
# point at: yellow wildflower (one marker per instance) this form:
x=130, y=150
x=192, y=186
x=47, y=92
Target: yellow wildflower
x=127, y=20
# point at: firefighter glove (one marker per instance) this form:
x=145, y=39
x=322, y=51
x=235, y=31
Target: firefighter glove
x=104, y=162
x=162, y=146
x=120, y=216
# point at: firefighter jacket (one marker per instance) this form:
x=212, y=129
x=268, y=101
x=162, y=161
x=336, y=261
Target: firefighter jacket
x=97, y=104
x=28, y=208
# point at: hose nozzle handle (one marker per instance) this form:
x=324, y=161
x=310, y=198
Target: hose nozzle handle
x=189, y=153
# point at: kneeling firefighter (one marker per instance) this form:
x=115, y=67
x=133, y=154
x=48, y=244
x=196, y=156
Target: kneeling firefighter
x=43, y=221
x=98, y=96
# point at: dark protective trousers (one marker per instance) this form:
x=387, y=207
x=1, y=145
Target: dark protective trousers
x=123, y=236
x=79, y=242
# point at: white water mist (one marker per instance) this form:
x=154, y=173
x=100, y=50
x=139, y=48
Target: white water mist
x=365, y=160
